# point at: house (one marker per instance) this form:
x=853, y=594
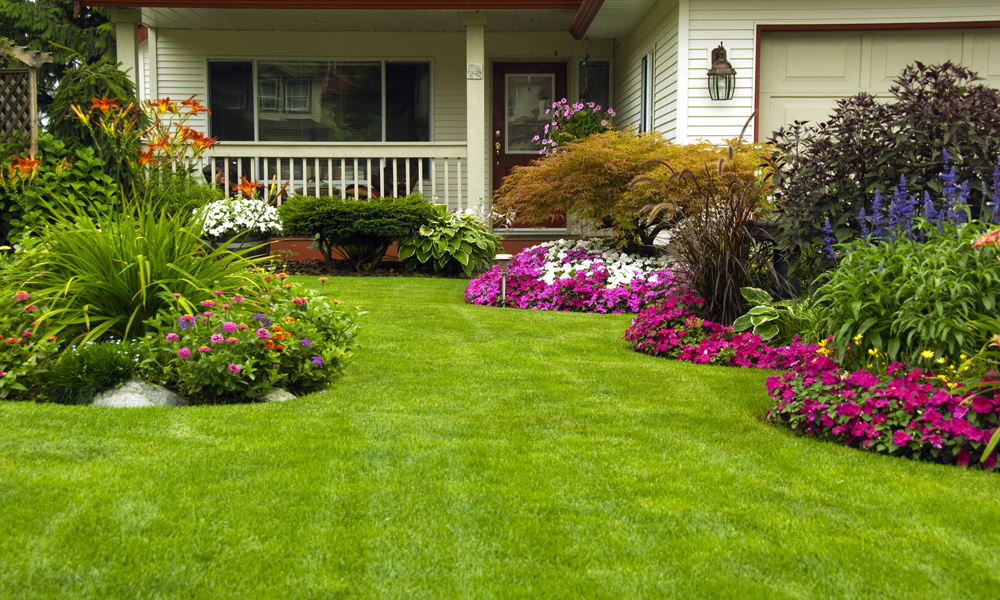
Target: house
x=339, y=96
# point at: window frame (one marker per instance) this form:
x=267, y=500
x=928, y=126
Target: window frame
x=254, y=63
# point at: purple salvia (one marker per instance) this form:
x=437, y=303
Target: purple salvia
x=960, y=212
x=863, y=219
x=995, y=200
x=828, y=239
x=878, y=221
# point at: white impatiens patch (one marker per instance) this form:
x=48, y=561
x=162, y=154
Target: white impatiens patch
x=588, y=256
x=227, y=217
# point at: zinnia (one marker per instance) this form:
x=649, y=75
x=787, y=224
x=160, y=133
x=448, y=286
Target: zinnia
x=183, y=353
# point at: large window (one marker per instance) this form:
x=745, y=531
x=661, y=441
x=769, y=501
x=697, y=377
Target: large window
x=595, y=83
x=346, y=101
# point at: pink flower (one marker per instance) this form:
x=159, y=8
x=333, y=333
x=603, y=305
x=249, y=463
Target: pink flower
x=21, y=296
x=227, y=306
x=901, y=438
x=208, y=302
x=238, y=298
x=208, y=314
x=172, y=337
x=229, y=327
x=183, y=353
x=27, y=334
x=204, y=349
x=218, y=292
x=298, y=301
x=177, y=295
x=232, y=340
x=263, y=333
x=324, y=279
x=30, y=308
x=216, y=338
x=233, y=368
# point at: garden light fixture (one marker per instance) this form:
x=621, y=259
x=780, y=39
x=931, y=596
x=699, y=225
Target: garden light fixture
x=721, y=77
x=503, y=263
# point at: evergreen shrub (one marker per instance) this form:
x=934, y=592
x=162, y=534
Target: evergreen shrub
x=359, y=231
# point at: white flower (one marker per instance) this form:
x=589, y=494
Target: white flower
x=229, y=216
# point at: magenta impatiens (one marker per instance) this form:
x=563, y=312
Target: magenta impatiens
x=575, y=276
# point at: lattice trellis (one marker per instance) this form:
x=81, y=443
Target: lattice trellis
x=15, y=107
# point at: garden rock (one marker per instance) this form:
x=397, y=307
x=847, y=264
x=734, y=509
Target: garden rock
x=279, y=395
x=135, y=393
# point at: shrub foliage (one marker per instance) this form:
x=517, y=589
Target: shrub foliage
x=360, y=231
x=591, y=180
x=832, y=169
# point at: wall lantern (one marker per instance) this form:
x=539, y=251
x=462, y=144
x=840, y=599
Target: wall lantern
x=721, y=77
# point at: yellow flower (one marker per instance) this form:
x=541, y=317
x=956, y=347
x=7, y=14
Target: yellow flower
x=943, y=378
x=952, y=385
x=872, y=352
x=962, y=356
x=857, y=339
x=928, y=354
x=942, y=360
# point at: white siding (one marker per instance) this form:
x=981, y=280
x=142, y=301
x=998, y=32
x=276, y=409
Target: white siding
x=734, y=22
x=656, y=33
x=142, y=88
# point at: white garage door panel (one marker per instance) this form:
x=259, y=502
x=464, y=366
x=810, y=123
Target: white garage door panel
x=891, y=52
x=986, y=55
x=803, y=74
x=831, y=62
x=785, y=109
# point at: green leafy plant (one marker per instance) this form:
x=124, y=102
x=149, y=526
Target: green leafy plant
x=360, y=231
x=451, y=241
x=906, y=297
x=91, y=369
x=774, y=320
x=30, y=187
x=26, y=350
x=109, y=274
x=240, y=348
x=832, y=169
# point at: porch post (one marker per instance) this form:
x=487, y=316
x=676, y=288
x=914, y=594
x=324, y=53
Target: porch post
x=126, y=22
x=475, y=110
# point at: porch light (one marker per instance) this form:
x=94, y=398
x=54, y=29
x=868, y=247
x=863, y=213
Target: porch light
x=721, y=77
x=503, y=263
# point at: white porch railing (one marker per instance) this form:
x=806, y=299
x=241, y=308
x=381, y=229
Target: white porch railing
x=438, y=170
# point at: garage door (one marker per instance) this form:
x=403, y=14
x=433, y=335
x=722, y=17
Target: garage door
x=803, y=74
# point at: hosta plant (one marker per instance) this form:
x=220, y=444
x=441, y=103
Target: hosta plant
x=451, y=241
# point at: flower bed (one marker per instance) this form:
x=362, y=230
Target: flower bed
x=672, y=330
x=579, y=276
x=912, y=413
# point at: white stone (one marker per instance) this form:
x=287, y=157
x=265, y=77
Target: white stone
x=279, y=395
x=134, y=393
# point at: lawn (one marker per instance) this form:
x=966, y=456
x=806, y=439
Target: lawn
x=480, y=452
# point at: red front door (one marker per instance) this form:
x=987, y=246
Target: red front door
x=522, y=92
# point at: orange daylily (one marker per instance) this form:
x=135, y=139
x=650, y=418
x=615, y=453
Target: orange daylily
x=161, y=144
x=147, y=157
x=26, y=164
x=195, y=106
x=104, y=103
x=992, y=237
x=247, y=187
x=163, y=105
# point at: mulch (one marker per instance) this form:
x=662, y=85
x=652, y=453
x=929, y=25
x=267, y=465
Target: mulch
x=387, y=268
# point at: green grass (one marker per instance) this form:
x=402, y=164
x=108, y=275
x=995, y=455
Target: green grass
x=480, y=453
